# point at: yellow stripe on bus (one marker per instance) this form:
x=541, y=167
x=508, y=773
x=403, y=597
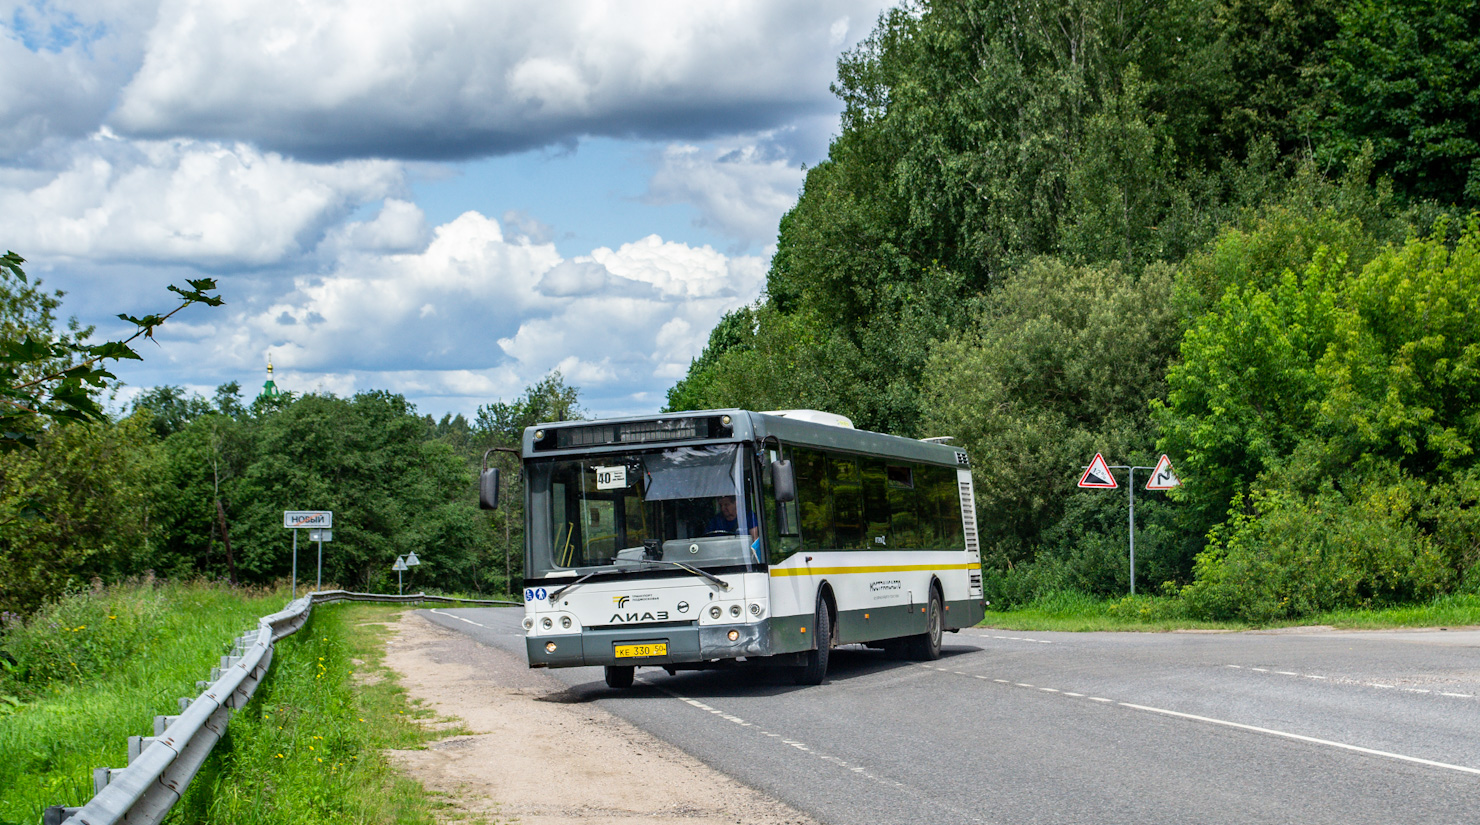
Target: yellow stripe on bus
x=895, y=568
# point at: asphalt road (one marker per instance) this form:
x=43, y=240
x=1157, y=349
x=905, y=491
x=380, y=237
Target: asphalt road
x=1287, y=727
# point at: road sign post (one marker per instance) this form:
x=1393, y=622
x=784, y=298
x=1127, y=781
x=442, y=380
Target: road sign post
x=1097, y=476
x=316, y=521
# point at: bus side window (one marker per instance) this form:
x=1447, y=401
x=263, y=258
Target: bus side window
x=944, y=507
x=847, y=495
x=814, y=499
x=903, y=508
x=878, y=535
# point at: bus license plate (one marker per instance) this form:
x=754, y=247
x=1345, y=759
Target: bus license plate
x=639, y=651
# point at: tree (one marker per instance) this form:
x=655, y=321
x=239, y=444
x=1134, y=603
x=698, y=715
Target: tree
x=46, y=379
x=549, y=399
x=1060, y=364
x=74, y=506
x=1339, y=392
x=1404, y=77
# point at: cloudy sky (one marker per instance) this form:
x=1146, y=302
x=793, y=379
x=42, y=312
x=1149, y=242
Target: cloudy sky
x=446, y=199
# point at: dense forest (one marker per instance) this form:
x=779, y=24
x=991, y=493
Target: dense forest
x=1239, y=233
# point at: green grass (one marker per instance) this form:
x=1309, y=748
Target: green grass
x=98, y=667
x=310, y=747
x=1077, y=612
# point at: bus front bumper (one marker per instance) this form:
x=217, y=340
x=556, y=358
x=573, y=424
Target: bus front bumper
x=684, y=644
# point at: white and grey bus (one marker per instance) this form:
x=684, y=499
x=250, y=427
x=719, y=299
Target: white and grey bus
x=694, y=539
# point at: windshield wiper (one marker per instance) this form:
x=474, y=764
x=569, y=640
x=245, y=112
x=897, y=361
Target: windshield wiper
x=723, y=585
x=556, y=594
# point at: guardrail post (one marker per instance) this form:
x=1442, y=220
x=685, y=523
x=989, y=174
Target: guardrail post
x=101, y=778
x=57, y=814
x=185, y=703
x=137, y=745
x=162, y=723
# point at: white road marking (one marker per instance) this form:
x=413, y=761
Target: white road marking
x=459, y=618
x=1378, y=685
x=803, y=747
x=1310, y=739
x=1271, y=731
x=1024, y=639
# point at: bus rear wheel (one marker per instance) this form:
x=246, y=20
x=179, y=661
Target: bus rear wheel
x=813, y=672
x=926, y=646
x=620, y=676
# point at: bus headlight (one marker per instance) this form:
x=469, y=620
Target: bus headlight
x=734, y=635
x=565, y=622
x=735, y=610
x=715, y=612
x=546, y=623
x=755, y=609
x=528, y=622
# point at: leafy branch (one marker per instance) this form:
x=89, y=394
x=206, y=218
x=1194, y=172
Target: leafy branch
x=45, y=381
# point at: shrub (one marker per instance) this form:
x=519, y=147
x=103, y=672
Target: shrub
x=1290, y=555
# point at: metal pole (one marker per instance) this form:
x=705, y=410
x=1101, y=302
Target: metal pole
x=399, y=591
x=295, y=562
x=319, y=585
x=1132, y=488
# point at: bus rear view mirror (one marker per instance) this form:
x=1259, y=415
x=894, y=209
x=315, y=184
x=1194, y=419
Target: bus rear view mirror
x=488, y=489
x=783, y=481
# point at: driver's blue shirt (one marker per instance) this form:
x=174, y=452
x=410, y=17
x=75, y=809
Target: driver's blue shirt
x=719, y=524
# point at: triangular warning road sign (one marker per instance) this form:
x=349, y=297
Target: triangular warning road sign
x=1098, y=475
x=1162, y=478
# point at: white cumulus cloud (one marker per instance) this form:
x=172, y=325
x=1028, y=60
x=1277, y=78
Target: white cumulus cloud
x=451, y=78
x=196, y=202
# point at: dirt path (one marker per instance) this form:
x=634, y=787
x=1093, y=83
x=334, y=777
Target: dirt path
x=540, y=760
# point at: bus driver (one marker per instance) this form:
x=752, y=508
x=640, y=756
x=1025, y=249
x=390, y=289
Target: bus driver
x=727, y=521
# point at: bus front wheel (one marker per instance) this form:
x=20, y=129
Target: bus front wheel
x=620, y=676
x=926, y=646
x=815, y=669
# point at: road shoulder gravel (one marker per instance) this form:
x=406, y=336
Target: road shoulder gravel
x=542, y=756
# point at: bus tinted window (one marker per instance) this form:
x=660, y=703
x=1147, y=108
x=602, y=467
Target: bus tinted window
x=904, y=518
x=875, y=505
x=847, y=495
x=814, y=499
x=848, y=502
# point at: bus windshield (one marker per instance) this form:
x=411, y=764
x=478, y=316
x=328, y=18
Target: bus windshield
x=649, y=509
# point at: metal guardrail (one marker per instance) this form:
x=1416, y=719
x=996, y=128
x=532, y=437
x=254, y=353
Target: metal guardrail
x=161, y=766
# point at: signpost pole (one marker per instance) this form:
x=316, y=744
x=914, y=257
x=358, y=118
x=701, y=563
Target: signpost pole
x=319, y=584
x=1097, y=476
x=1132, y=488
x=295, y=563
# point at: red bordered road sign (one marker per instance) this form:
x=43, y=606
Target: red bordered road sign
x=1162, y=478
x=1098, y=475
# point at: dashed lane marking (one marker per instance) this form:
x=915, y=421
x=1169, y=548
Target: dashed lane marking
x=1253, y=728
x=1340, y=680
x=459, y=618
x=860, y=770
x=1299, y=738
